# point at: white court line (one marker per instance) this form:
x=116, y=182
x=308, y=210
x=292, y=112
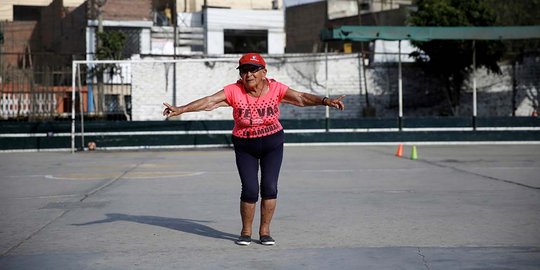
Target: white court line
x=292, y=131
x=206, y=146
x=35, y=150
x=131, y=175
x=48, y=196
x=122, y=133
x=417, y=143
x=103, y=177
x=29, y=175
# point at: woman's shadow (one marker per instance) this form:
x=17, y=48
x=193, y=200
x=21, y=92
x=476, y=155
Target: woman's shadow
x=179, y=224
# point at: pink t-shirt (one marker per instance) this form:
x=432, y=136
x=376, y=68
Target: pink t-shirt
x=255, y=117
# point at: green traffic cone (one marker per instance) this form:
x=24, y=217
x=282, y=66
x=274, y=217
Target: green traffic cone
x=414, y=153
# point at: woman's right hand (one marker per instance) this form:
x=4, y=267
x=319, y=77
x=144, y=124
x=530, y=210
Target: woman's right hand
x=170, y=110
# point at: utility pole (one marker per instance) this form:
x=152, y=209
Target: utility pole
x=99, y=97
x=175, y=44
x=1, y=54
x=100, y=4
x=367, y=109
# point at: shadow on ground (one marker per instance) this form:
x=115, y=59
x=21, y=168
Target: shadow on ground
x=179, y=224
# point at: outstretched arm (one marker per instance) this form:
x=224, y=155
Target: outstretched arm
x=207, y=103
x=302, y=99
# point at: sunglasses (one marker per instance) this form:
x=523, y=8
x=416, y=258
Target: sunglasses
x=252, y=69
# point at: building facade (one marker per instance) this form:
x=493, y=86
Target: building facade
x=305, y=22
x=24, y=10
x=196, y=28
x=53, y=33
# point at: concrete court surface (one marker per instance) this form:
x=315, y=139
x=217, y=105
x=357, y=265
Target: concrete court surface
x=339, y=207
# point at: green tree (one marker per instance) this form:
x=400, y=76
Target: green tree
x=451, y=60
x=112, y=45
x=520, y=13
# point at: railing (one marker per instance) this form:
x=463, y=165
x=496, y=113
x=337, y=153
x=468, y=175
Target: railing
x=34, y=93
x=13, y=105
x=45, y=93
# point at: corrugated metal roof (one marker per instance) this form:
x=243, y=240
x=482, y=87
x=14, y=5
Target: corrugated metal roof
x=425, y=33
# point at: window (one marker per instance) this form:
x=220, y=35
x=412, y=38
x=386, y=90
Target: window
x=26, y=13
x=133, y=43
x=364, y=6
x=243, y=41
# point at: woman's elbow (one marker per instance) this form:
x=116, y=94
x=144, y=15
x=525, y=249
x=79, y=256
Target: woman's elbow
x=299, y=102
x=214, y=105
x=211, y=107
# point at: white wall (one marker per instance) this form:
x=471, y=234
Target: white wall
x=219, y=19
x=215, y=42
x=387, y=51
x=152, y=85
x=196, y=5
x=276, y=42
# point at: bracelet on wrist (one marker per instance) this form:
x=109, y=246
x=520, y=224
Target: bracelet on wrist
x=323, y=102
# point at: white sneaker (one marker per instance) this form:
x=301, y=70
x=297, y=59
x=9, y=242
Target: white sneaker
x=267, y=240
x=243, y=240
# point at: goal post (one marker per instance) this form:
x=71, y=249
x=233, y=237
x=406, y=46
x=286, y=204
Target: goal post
x=134, y=90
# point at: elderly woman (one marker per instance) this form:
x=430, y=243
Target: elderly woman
x=257, y=135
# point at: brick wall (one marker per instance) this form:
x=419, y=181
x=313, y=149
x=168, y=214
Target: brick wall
x=303, y=24
x=17, y=37
x=53, y=40
x=62, y=30
x=140, y=10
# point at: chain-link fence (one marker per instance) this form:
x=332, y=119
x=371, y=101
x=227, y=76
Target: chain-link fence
x=35, y=93
x=135, y=90
x=45, y=93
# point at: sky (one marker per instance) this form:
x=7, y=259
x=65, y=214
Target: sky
x=289, y=3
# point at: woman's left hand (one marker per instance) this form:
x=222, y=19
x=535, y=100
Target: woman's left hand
x=336, y=103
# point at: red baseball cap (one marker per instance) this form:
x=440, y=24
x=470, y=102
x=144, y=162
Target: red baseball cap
x=251, y=59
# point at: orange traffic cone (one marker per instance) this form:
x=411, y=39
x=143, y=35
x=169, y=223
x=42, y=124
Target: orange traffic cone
x=399, y=152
